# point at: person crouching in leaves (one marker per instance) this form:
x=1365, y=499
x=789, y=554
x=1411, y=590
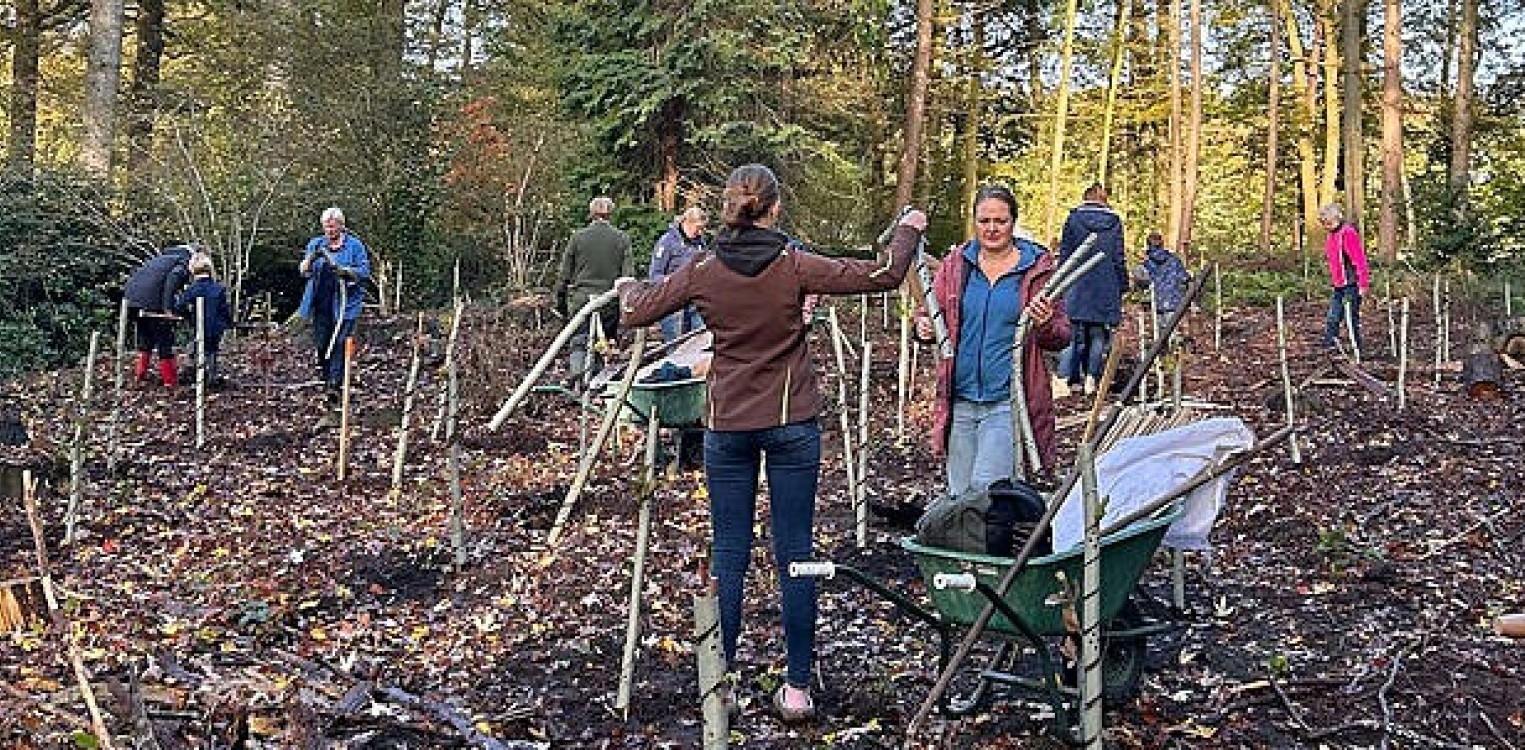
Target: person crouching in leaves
x=150, y=294
x=336, y=265
x=750, y=288
x=217, y=314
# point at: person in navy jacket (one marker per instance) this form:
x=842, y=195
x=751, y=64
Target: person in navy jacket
x=150, y=294
x=336, y=265
x=1095, y=302
x=682, y=241
x=217, y=313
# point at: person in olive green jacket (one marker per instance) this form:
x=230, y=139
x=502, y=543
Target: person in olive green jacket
x=596, y=255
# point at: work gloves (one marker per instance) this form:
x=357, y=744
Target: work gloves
x=346, y=273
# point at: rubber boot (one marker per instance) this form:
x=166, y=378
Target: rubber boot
x=140, y=368
x=168, y=373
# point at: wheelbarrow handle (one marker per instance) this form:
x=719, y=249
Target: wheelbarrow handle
x=813, y=569
x=956, y=581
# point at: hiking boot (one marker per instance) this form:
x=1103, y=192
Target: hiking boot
x=793, y=714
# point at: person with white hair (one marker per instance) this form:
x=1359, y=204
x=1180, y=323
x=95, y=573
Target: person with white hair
x=596, y=255
x=681, y=242
x=1348, y=274
x=336, y=265
x=217, y=314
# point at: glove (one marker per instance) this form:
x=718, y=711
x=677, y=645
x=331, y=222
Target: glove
x=561, y=302
x=346, y=273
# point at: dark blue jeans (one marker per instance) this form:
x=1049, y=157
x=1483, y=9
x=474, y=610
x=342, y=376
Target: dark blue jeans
x=331, y=362
x=1087, y=353
x=731, y=461
x=1337, y=314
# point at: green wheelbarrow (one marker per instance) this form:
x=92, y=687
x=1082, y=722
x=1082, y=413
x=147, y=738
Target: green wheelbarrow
x=679, y=404
x=1022, y=647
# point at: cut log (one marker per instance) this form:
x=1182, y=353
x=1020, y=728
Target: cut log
x=21, y=602
x=1510, y=625
x=1362, y=378
x=1482, y=374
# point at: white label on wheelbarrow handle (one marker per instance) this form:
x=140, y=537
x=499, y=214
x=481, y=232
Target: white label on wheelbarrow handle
x=823, y=569
x=955, y=581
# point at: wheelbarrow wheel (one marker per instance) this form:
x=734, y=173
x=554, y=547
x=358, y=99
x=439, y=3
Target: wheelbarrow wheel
x=1122, y=666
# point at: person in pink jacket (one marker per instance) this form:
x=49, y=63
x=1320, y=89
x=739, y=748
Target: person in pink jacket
x=1348, y=274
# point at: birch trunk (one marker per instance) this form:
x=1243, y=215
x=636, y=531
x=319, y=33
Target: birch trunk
x=1392, y=128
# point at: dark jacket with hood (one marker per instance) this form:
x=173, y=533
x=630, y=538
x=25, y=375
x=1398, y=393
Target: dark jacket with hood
x=1098, y=296
x=154, y=285
x=1167, y=274
x=750, y=288
x=219, y=314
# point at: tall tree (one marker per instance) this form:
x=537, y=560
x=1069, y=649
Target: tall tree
x=1331, y=169
x=148, y=27
x=1459, y=174
x=1193, y=133
x=1273, y=128
x=1114, y=79
x=1177, y=161
x=26, y=47
x=103, y=72
x=1061, y=115
x=972, y=113
x=1392, y=128
x=1304, y=84
x=916, y=104
x=1352, y=17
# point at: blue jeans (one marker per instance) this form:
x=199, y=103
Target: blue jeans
x=680, y=322
x=731, y=461
x=1087, y=352
x=1337, y=314
x=979, y=445
x=331, y=361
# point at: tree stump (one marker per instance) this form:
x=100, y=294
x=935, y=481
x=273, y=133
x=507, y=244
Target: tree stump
x=21, y=601
x=1482, y=372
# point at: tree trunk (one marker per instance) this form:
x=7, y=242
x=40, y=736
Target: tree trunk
x=103, y=72
x=1177, y=167
x=1353, y=14
x=916, y=105
x=21, y=149
x=1119, y=44
x=1273, y=124
x=670, y=141
x=1392, y=128
x=1061, y=115
x=149, y=29
x=972, y=113
x=1459, y=175
x=1193, y=133
x=1331, y=107
x=1307, y=97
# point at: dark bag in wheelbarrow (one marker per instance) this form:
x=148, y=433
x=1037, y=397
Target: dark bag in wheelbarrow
x=992, y=521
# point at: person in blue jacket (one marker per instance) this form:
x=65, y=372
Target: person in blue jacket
x=1095, y=302
x=682, y=241
x=217, y=313
x=336, y=265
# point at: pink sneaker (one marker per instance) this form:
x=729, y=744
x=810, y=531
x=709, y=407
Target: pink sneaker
x=793, y=714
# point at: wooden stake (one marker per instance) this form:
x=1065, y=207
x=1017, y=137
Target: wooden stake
x=1286, y=381
x=397, y=290
x=453, y=439
x=711, y=667
x=1508, y=300
x=56, y=614
x=611, y=414
x=344, y=393
x=860, y=501
x=201, y=372
x=1103, y=391
x=1403, y=355
x=1217, y=309
x=400, y=457
x=1350, y=331
x=903, y=374
x=1090, y=604
x=1392, y=330
x=1440, y=327
x=116, y=391
x=77, y=446
x=849, y=466
x=638, y=563
x=1143, y=385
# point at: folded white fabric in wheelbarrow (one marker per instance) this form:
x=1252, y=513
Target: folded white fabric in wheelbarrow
x=1140, y=470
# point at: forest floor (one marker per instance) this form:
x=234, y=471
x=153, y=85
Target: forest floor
x=242, y=595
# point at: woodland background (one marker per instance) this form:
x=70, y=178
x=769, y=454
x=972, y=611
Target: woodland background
x=465, y=130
